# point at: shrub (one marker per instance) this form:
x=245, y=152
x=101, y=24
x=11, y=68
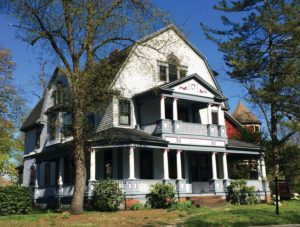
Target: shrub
x=240, y=193
x=137, y=206
x=107, y=196
x=161, y=195
x=186, y=205
x=15, y=199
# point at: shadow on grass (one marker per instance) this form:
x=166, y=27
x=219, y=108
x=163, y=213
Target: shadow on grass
x=247, y=216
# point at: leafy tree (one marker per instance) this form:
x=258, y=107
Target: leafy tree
x=11, y=143
x=79, y=32
x=262, y=53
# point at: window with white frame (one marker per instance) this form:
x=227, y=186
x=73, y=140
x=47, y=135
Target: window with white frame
x=171, y=70
x=124, y=112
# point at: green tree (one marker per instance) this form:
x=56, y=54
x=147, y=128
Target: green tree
x=262, y=52
x=11, y=109
x=79, y=32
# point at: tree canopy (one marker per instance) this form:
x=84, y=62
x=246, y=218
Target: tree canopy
x=262, y=52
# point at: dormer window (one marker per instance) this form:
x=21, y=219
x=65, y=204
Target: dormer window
x=38, y=132
x=171, y=70
x=60, y=95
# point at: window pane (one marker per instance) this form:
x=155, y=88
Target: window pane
x=124, y=112
x=52, y=126
x=68, y=124
x=182, y=73
x=172, y=72
x=163, y=73
x=214, y=118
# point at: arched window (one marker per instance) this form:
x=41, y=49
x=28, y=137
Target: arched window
x=171, y=70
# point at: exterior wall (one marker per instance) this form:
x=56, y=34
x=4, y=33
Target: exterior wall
x=26, y=171
x=30, y=138
x=232, y=131
x=140, y=73
x=105, y=119
x=149, y=110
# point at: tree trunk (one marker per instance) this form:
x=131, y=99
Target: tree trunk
x=79, y=149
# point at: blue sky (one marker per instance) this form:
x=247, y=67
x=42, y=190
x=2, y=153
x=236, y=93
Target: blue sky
x=187, y=14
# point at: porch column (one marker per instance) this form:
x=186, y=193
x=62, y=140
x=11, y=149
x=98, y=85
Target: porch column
x=61, y=171
x=225, y=169
x=178, y=162
x=131, y=163
x=162, y=108
x=166, y=164
x=258, y=169
x=209, y=121
x=214, y=166
x=263, y=167
x=221, y=120
x=92, y=165
x=175, y=113
x=36, y=175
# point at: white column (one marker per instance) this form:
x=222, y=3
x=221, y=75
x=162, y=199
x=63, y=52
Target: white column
x=166, y=164
x=61, y=171
x=131, y=163
x=178, y=162
x=221, y=119
x=162, y=108
x=93, y=165
x=259, y=169
x=225, y=169
x=214, y=166
x=36, y=175
x=263, y=167
x=209, y=121
x=175, y=112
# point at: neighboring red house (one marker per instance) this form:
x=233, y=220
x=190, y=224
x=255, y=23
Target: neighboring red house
x=241, y=118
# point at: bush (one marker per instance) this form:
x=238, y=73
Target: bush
x=186, y=205
x=137, y=206
x=15, y=199
x=161, y=195
x=107, y=196
x=240, y=193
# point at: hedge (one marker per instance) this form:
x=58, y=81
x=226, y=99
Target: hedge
x=15, y=199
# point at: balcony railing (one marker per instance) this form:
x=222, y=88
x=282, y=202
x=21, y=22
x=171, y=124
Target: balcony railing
x=187, y=128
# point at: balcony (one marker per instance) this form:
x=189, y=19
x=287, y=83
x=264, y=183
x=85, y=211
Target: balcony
x=184, y=128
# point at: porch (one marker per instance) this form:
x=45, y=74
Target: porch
x=136, y=169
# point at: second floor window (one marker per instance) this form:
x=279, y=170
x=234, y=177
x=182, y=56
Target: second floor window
x=124, y=112
x=52, y=125
x=38, y=132
x=214, y=117
x=67, y=129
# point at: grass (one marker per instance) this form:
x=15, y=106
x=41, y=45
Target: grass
x=247, y=215
x=230, y=215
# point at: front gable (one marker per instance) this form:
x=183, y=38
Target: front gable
x=193, y=85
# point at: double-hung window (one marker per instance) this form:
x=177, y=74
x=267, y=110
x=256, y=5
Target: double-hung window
x=68, y=127
x=124, y=112
x=52, y=119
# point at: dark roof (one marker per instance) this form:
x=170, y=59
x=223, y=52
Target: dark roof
x=241, y=144
x=34, y=116
x=124, y=135
x=244, y=116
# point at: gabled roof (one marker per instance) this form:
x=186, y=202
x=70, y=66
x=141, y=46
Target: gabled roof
x=34, y=116
x=169, y=86
x=244, y=116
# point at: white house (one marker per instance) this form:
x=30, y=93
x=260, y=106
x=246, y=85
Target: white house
x=167, y=124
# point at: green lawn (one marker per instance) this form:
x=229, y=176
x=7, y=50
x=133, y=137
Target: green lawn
x=230, y=215
x=261, y=214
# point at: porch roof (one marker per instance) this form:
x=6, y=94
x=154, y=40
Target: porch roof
x=237, y=144
x=114, y=136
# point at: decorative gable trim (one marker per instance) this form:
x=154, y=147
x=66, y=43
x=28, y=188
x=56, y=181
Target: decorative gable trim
x=202, y=88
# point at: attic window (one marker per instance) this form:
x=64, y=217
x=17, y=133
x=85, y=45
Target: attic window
x=171, y=70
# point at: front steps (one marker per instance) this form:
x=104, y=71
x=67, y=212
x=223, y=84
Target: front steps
x=208, y=201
